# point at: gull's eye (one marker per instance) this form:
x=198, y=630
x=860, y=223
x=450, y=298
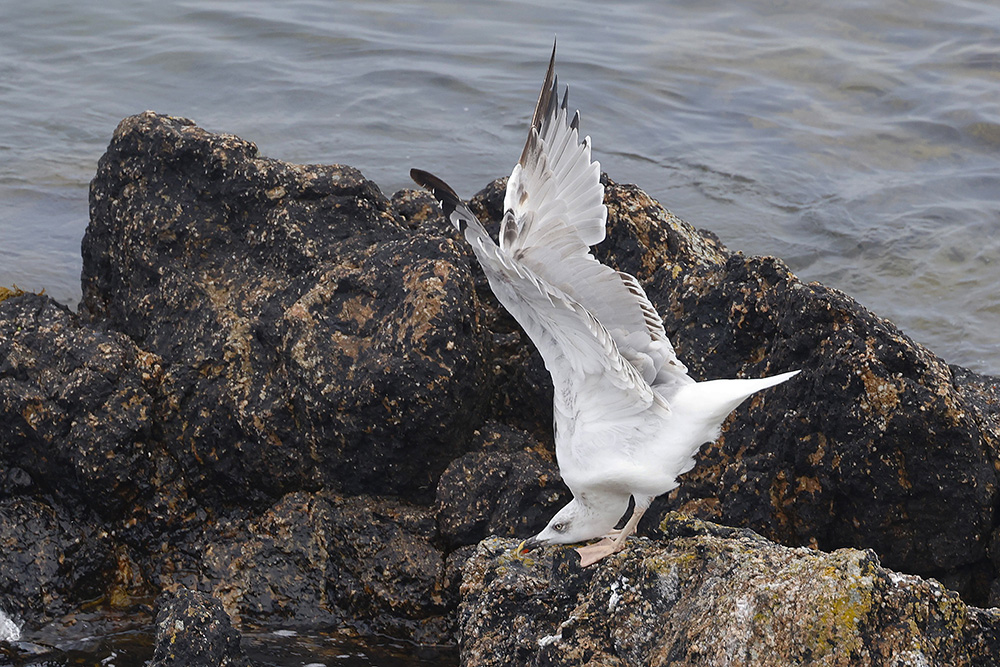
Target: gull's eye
x=560, y=527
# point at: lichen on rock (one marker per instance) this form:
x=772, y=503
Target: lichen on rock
x=716, y=596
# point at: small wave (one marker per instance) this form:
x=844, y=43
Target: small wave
x=9, y=630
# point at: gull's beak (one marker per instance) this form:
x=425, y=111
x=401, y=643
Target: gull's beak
x=527, y=545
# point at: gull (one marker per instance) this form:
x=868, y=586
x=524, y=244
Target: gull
x=627, y=418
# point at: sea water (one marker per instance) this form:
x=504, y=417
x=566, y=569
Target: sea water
x=856, y=140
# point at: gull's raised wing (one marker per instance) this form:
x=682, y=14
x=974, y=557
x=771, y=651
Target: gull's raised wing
x=577, y=349
x=590, y=376
x=554, y=211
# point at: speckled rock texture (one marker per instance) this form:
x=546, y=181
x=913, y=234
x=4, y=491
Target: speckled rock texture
x=76, y=408
x=712, y=595
x=507, y=486
x=319, y=560
x=308, y=337
x=312, y=345
x=300, y=397
x=49, y=562
x=192, y=630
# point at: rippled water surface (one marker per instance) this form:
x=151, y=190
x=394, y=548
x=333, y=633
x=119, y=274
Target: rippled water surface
x=134, y=648
x=857, y=140
x=108, y=638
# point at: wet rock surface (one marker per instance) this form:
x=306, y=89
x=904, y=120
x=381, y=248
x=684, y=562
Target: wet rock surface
x=290, y=307
x=192, y=630
x=712, y=595
x=76, y=408
x=508, y=485
x=319, y=560
x=49, y=562
x=294, y=395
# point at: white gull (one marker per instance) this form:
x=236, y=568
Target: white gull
x=627, y=417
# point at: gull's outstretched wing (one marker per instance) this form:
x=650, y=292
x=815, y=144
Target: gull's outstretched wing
x=590, y=376
x=554, y=211
x=577, y=349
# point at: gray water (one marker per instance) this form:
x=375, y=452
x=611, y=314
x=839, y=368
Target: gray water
x=120, y=644
x=856, y=140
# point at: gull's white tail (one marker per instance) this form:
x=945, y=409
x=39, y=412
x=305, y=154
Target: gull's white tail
x=715, y=399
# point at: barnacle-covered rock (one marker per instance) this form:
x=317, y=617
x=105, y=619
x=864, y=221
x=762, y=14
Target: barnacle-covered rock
x=193, y=630
x=50, y=564
x=506, y=486
x=76, y=408
x=309, y=338
x=316, y=561
x=712, y=595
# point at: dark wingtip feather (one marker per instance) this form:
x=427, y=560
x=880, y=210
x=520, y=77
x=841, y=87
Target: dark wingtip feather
x=441, y=190
x=546, y=99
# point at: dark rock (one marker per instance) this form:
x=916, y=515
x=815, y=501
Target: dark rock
x=418, y=209
x=49, y=563
x=715, y=596
x=318, y=560
x=78, y=424
x=520, y=389
x=75, y=408
x=509, y=486
x=193, y=630
x=309, y=338
x=454, y=566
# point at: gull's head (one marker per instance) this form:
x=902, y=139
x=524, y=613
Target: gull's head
x=576, y=522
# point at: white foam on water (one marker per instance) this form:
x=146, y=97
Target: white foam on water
x=9, y=630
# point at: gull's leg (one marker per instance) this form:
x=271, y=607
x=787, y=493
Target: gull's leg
x=629, y=528
x=592, y=553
